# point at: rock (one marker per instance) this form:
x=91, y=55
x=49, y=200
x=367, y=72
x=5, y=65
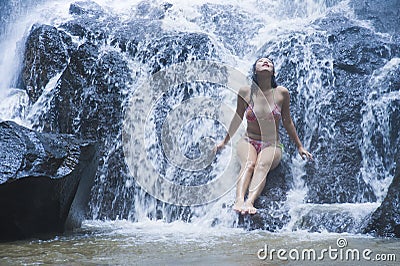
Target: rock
x=356, y=53
x=89, y=8
x=46, y=54
x=322, y=219
x=226, y=20
x=385, y=16
x=151, y=10
x=45, y=181
x=342, y=56
x=385, y=221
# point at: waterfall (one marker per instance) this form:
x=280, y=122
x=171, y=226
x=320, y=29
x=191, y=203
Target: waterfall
x=17, y=18
x=379, y=116
x=136, y=65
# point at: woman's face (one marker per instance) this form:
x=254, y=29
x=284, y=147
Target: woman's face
x=264, y=64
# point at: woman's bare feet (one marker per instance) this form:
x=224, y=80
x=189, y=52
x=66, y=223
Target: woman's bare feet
x=244, y=207
x=248, y=205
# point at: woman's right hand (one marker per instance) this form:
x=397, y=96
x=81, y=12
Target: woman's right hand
x=219, y=146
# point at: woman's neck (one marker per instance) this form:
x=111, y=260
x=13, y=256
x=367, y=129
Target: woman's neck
x=265, y=84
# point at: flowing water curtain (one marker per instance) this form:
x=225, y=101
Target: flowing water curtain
x=177, y=119
x=381, y=114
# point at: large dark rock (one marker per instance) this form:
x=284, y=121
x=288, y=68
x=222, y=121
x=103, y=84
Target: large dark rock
x=45, y=181
x=385, y=221
x=357, y=52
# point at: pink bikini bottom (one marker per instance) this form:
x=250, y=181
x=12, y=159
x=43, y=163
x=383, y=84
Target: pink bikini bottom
x=259, y=145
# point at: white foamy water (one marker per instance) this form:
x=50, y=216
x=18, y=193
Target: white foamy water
x=375, y=119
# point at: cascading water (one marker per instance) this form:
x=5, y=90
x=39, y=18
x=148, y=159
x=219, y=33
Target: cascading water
x=379, y=115
x=18, y=17
x=118, y=47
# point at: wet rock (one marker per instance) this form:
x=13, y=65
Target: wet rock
x=152, y=11
x=46, y=54
x=226, y=21
x=385, y=221
x=89, y=8
x=385, y=16
x=45, y=181
x=323, y=220
x=357, y=52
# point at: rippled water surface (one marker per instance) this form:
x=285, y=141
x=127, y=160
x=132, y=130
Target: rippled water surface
x=159, y=243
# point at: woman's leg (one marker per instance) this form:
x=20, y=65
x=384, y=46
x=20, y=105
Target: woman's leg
x=247, y=155
x=267, y=160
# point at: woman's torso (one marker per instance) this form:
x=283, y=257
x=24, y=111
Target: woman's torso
x=263, y=114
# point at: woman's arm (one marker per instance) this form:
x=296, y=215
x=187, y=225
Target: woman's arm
x=289, y=125
x=237, y=119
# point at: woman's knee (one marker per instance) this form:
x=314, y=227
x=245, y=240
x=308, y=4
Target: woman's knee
x=264, y=166
x=249, y=165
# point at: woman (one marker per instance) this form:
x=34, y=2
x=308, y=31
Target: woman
x=259, y=151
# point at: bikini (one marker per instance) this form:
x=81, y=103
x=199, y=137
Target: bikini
x=251, y=117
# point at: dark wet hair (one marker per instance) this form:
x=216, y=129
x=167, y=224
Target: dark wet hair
x=253, y=76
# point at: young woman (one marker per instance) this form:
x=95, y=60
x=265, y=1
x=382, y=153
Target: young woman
x=263, y=104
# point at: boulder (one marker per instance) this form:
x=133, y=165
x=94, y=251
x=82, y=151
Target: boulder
x=341, y=59
x=45, y=181
x=46, y=54
x=385, y=221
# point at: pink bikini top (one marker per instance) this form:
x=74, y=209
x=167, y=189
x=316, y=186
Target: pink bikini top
x=275, y=113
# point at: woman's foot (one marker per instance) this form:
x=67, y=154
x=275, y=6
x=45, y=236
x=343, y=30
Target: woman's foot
x=238, y=206
x=250, y=208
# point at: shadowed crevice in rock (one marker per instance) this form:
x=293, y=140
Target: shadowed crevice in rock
x=45, y=181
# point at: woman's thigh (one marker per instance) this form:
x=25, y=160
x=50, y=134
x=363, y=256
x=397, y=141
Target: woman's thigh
x=246, y=152
x=269, y=158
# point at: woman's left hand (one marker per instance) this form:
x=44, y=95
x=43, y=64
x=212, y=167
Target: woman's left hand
x=305, y=154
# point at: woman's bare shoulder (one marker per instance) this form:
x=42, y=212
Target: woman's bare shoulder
x=244, y=91
x=282, y=90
